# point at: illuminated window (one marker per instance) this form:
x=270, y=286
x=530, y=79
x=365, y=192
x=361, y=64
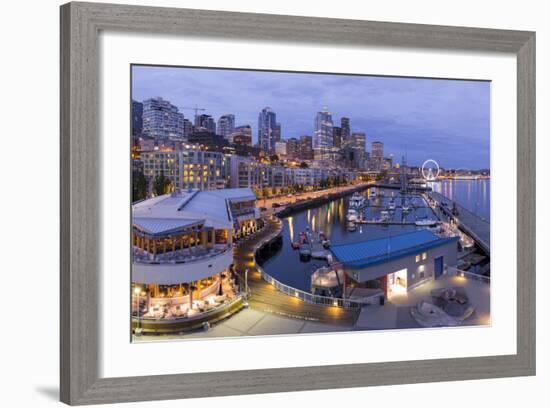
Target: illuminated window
x=424, y=256
x=418, y=258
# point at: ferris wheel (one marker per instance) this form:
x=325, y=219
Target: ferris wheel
x=430, y=170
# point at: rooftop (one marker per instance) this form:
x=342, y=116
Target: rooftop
x=180, y=209
x=375, y=251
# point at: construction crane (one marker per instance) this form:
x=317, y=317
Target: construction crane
x=196, y=109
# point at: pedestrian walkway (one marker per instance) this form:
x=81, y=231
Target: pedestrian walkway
x=265, y=297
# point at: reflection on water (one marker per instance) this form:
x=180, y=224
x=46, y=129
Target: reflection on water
x=330, y=219
x=474, y=195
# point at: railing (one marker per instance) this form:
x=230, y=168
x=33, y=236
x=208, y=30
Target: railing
x=180, y=256
x=452, y=271
x=316, y=299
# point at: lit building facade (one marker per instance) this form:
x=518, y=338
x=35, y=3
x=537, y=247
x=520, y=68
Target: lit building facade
x=323, y=137
x=269, y=131
x=306, y=148
x=377, y=156
x=182, y=253
x=226, y=125
x=242, y=135
x=186, y=169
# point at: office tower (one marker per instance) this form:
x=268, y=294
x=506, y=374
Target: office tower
x=161, y=119
x=346, y=132
x=322, y=138
x=292, y=149
x=137, y=118
x=377, y=155
x=226, y=125
x=205, y=123
x=267, y=124
x=337, y=137
x=306, y=148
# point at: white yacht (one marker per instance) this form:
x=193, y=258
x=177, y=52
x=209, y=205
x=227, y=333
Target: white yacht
x=425, y=223
x=352, y=216
x=356, y=200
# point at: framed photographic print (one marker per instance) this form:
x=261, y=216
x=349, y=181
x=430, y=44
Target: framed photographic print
x=260, y=203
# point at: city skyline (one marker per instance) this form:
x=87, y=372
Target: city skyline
x=446, y=120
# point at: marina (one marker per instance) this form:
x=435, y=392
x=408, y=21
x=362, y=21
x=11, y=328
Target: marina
x=373, y=219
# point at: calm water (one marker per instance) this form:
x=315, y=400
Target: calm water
x=474, y=195
x=330, y=218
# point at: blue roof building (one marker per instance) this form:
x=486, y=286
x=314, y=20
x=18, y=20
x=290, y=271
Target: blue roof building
x=398, y=263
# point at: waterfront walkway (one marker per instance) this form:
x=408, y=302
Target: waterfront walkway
x=265, y=297
x=476, y=227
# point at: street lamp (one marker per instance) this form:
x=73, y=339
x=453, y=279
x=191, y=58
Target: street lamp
x=137, y=291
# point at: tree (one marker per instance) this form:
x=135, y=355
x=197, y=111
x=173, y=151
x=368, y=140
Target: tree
x=161, y=185
x=274, y=158
x=303, y=165
x=139, y=186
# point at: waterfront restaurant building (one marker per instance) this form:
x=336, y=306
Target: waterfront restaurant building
x=397, y=264
x=182, y=252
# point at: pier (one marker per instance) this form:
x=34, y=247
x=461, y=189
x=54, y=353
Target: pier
x=473, y=225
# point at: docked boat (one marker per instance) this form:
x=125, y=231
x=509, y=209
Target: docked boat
x=391, y=205
x=351, y=226
x=356, y=200
x=385, y=216
x=305, y=251
x=352, y=215
x=405, y=207
x=425, y=223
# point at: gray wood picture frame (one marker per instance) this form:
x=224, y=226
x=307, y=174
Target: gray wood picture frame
x=80, y=237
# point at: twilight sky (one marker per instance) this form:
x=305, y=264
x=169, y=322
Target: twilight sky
x=445, y=120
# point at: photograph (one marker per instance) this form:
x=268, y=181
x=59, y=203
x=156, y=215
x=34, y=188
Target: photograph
x=288, y=203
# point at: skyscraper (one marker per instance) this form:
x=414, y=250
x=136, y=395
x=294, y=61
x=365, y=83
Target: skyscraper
x=226, y=125
x=346, y=132
x=292, y=148
x=377, y=155
x=337, y=137
x=359, y=141
x=267, y=125
x=187, y=128
x=306, y=148
x=323, y=139
x=137, y=118
x=161, y=119
x=206, y=122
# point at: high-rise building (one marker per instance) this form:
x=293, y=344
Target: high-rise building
x=359, y=141
x=377, y=156
x=242, y=136
x=187, y=128
x=267, y=130
x=187, y=168
x=277, y=132
x=280, y=148
x=306, y=148
x=346, y=131
x=226, y=125
x=205, y=123
x=337, y=137
x=137, y=118
x=292, y=149
x=322, y=138
x=161, y=119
